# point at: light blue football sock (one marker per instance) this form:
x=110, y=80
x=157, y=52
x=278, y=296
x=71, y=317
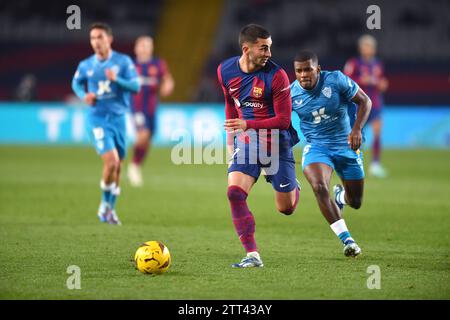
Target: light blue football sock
x=114, y=194
x=107, y=191
x=340, y=229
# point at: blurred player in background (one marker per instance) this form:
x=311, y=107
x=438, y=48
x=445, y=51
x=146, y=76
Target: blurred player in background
x=257, y=97
x=109, y=78
x=155, y=80
x=368, y=72
x=321, y=100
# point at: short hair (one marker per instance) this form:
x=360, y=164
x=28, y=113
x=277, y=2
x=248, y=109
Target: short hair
x=102, y=26
x=306, y=55
x=144, y=37
x=251, y=33
x=367, y=38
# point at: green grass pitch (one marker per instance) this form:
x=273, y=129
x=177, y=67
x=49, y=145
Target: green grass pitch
x=49, y=197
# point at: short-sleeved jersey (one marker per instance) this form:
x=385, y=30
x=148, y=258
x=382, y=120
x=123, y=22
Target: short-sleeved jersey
x=323, y=111
x=261, y=97
x=110, y=97
x=151, y=74
x=357, y=69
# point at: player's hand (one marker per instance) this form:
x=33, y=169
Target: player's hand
x=383, y=84
x=235, y=124
x=355, y=139
x=89, y=98
x=365, y=80
x=110, y=75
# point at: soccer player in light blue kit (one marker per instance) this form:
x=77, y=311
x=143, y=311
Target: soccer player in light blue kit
x=321, y=100
x=109, y=78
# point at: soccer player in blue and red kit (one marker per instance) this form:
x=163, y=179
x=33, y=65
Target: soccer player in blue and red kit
x=104, y=81
x=155, y=80
x=257, y=100
x=321, y=99
x=368, y=72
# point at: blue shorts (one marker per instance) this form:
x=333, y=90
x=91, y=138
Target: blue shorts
x=347, y=163
x=108, y=132
x=279, y=171
x=144, y=120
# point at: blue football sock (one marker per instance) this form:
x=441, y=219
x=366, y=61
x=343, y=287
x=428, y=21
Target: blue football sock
x=107, y=191
x=114, y=194
x=340, y=229
x=346, y=237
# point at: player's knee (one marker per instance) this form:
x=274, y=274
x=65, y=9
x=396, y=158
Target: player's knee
x=287, y=210
x=236, y=193
x=320, y=189
x=112, y=165
x=355, y=203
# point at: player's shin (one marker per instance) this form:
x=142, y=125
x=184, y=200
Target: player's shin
x=376, y=149
x=114, y=194
x=107, y=190
x=140, y=151
x=243, y=219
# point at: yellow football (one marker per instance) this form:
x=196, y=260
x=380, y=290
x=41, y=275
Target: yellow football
x=152, y=257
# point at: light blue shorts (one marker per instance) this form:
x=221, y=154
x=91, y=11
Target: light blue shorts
x=108, y=132
x=347, y=163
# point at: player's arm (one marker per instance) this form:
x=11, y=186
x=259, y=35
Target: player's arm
x=230, y=113
x=350, y=90
x=78, y=82
x=167, y=81
x=383, y=82
x=364, y=104
x=129, y=79
x=282, y=106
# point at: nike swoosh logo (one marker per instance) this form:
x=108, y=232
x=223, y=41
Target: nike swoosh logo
x=233, y=89
x=284, y=185
x=288, y=87
x=235, y=153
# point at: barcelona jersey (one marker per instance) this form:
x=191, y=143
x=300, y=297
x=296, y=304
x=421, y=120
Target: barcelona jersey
x=262, y=98
x=151, y=74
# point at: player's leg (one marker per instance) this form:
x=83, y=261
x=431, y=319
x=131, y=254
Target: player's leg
x=144, y=128
x=286, y=202
x=239, y=186
x=103, y=139
x=286, y=185
x=318, y=168
x=109, y=186
x=376, y=169
x=121, y=147
x=242, y=175
x=350, y=168
x=319, y=176
x=351, y=193
x=139, y=153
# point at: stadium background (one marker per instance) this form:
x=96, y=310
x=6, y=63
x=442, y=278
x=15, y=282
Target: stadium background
x=39, y=55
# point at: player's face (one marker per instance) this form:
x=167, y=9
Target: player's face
x=367, y=49
x=259, y=52
x=144, y=48
x=307, y=73
x=100, y=41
